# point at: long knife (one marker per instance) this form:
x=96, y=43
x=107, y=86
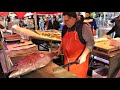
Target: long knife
x=63, y=66
x=69, y=64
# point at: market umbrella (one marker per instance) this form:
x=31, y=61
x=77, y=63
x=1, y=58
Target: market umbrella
x=3, y=14
x=28, y=14
x=20, y=14
x=48, y=12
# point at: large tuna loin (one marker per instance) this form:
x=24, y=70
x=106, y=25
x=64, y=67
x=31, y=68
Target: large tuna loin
x=31, y=62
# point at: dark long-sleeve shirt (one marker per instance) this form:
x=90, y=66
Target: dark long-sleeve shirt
x=56, y=25
x=92, y=22
x=88, y=37
x=116, y=27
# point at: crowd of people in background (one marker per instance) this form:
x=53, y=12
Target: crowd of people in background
x=50, y=22
x=44, y=22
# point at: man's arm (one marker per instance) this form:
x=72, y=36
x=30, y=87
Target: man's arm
x=113, y=20
x=112, y=30
x=88, y=37
x=60, y=49
x=95, y=27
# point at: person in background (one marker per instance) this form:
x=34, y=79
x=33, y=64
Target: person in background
x=81, y=17
x=116, y=27
x=72, y=47
x=50, y=18
x=30, y=24
x=60, y=19
x=91, y=21
x=41, y=23
x=38, y=21
x=24, y=22
x=8, y=19
x=21, y=23
x=115, y=68
x=16, y=21
x=48, y=24
x=61, y=25
x=56, y=24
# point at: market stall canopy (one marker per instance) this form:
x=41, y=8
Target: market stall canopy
x=48, y=12
x=4, y=14
x=20, y=14
x=24, y=14
x=28, y=14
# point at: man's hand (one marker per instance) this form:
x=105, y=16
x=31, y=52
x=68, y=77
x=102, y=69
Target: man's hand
x=107, y=36
x=57, y=52
x=94, y=32
x=81, y=59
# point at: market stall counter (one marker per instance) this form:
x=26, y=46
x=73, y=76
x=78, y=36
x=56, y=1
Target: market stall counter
x=109, y=55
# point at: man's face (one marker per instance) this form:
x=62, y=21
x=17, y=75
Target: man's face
x=53, y=19
x=87, y=14
x=47, y=19
x=119, y=17
x=69, y=21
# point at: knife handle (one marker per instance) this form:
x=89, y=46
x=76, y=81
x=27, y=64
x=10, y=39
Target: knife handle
x=69, y=64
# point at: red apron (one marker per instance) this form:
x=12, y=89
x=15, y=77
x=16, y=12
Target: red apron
x=72, y=49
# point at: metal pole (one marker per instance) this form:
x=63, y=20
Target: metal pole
x=5, y=23
x=35, y=18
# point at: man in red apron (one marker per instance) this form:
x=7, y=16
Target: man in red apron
x=72, y=48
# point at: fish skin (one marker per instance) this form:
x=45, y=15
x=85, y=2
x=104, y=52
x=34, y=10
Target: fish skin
x=31, y=63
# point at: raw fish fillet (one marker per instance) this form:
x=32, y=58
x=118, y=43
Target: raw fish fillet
x=32, y=62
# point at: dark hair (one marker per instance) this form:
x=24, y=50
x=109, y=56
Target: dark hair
x=82, y=18
x=16, y=17
x=54, y=17
x=88, y=12
x=70, y=14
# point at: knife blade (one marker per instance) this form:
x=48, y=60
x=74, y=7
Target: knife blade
x=63, y=66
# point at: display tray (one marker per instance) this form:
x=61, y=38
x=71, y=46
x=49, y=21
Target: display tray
x=32, y=34
x=44, y=38
x=50, y=35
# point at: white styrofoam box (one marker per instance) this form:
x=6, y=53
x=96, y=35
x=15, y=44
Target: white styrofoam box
x=101, y=59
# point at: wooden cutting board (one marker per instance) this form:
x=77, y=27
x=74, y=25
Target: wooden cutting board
x=49, y=34
x=29, y=33
x=105, y=46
